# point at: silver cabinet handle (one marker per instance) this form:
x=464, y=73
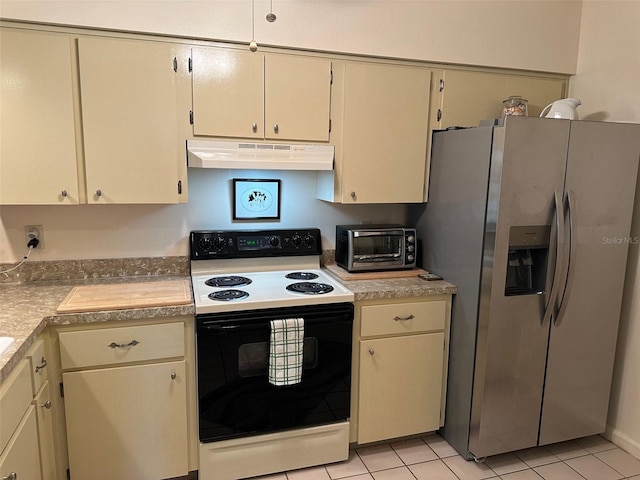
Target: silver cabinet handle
x=98, y=193
x=46, y=404
x=276, y=128
x=43, y=363
x=402, y=319
x=63, y=193
x=11, y=476
x=371, y=352
x=132, y=343
x=173, y=375
x=254, y=127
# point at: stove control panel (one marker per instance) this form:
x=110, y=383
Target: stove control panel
x=213, y=244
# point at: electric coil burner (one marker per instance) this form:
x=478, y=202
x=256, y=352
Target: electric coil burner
x=243, y=281
x=310, y=288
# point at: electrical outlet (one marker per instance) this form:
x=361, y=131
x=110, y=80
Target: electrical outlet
x=35, y=231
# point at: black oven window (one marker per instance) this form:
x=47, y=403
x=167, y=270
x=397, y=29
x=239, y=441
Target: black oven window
x=253, y=358
x=379, y=245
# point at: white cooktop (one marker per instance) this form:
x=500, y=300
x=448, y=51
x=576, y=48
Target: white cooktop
x=266, y=290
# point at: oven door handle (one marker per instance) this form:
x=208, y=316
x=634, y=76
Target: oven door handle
x=213, y=328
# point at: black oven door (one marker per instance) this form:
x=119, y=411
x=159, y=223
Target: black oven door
x=235, y=398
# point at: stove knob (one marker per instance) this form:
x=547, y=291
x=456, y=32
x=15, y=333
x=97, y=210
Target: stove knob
x=309, y=240
x=296, y=240
x=204, y=244
x=218, y=242
x=274, y=241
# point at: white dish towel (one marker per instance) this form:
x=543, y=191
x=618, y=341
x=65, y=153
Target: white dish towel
x=286, y=351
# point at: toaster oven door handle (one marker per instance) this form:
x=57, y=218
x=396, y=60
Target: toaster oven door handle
x=381, y=233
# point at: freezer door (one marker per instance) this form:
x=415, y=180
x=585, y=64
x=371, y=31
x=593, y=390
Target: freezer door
x=600, y=183
x=527, y=168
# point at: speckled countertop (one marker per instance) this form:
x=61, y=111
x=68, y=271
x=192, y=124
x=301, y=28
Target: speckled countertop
x=29, y=307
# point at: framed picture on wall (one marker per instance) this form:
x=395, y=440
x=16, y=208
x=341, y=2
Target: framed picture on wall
x=255, y=199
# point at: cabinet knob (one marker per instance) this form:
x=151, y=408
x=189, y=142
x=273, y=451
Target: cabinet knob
x=353, y=195
x=173, y=375
x=46, y=404
x=11, y=476
x=254, y=127
x=98, y=193
x=64, y=193
x=371, y=352
x=276, y=128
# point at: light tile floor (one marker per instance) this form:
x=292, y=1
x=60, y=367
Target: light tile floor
x=432, y=458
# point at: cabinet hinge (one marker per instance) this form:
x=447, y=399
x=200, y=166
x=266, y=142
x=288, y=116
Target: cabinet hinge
x=190, y=65
x=439, y=115
x=191, y=117
x=61, y=390
x=179, y=187
x=441, y=84
x=175, y=64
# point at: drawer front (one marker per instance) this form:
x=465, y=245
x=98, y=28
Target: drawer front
x=15, y=398
x=112, y=346
x=38, y=364
x=403, y=318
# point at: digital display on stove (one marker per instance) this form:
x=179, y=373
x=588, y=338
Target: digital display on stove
x=247, y=242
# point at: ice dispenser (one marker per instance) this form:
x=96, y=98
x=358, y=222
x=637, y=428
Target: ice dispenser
x=527, y=262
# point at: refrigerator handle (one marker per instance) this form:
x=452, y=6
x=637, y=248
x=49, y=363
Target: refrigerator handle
x=570, y=263
x=555, y=286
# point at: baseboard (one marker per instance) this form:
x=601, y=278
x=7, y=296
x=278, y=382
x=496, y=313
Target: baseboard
x=623, y=441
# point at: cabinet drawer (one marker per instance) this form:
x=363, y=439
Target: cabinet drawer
x=110, y=346
x=399, y=318
x=15, y=398
x=38, y=365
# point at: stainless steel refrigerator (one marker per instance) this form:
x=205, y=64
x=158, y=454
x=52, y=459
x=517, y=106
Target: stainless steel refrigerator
x=531, y=220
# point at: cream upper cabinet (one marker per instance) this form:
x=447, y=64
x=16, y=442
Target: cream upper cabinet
x=38, y=141
x=468, y=97
x=133, y=147
x=399, y=367
x=380, y=135
x=238, y=93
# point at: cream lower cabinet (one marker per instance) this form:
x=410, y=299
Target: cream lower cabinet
x=19, y=452
x=125, y=394
x=380, y=126
x=43, y=402
x=400, y=377
x=237, y=93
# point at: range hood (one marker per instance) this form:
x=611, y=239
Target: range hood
x=258, y=156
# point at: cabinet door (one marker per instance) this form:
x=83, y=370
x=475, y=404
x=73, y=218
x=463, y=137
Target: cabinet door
x=297, y=98
x=400, y=386
x=44, y=417
x=470, y=97
x=129, y=93
x=385, y=124
x=38, y=150
x=127, y=422
x=21, y=454
x=228, y=93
